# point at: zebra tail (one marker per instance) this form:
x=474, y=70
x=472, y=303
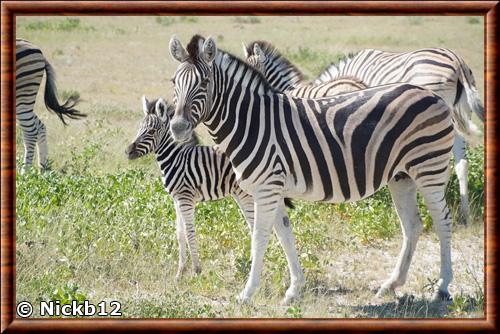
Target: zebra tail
x=289, y=203
x=52, y=103
x=466, y=102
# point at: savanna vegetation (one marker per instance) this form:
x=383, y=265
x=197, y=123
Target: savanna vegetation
x=98, y=227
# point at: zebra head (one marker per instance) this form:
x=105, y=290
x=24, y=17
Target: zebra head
x=193, y=83
x=256, y=57
x=153, y=127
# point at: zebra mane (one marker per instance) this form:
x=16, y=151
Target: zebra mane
x=332, y=71
x=193, y=51
x=271, y=51
x=151, y=105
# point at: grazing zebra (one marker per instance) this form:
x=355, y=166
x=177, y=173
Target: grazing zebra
x=335, y=149
x=190, y=174
x=30, y=66
x=440, y=70
x=285, y=77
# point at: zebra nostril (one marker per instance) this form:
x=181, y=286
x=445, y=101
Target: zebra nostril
x=179, y=126
x=130, y=149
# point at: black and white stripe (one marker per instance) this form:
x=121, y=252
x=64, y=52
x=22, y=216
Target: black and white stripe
x=30, y=67
x=285, y=77
x=190, y=174
x=439, y=70
x=334, y=149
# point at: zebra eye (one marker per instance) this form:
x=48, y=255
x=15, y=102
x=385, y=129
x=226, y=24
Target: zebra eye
x=151, y=131
x=204, y=82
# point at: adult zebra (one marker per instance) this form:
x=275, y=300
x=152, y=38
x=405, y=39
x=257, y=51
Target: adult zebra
x=283, y=76
x=192, y=174
x=334, y=149
x=440, y=70
x=30, y=66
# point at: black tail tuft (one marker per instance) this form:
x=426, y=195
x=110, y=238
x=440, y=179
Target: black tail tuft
x=52, y=103
x=289, y=203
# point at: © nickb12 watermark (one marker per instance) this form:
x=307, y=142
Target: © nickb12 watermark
x=74, y=309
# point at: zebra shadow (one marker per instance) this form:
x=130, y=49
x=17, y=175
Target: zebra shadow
x=406, y=306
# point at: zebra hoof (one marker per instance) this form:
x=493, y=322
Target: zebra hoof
x=384, y=291
x=197, y=270
x=440, y=296
x=243, y=299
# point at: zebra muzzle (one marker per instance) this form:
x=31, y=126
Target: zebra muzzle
x=179, y=129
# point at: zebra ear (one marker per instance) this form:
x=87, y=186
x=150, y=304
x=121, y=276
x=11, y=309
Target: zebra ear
x=259, y=53
x=145, y=103
x=161, y=109
x=177, y=50
x=245, y=50
x=209, y=50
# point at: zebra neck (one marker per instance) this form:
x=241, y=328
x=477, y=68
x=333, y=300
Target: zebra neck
x=286, y=80
x=167, y=153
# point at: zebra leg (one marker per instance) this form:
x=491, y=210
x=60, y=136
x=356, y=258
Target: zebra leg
x=461, y=168
x=441, y=215
x=285, y=235
x=246, y=204
x=42, y=145
x=186, y=209
x=265, y=217
x=181, y=239
x=404, y=196
x=29, y=138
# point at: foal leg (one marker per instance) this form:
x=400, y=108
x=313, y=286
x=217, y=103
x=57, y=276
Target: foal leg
x=181, y=239
x=246, y=204
x=404, y=196
x=186, y=208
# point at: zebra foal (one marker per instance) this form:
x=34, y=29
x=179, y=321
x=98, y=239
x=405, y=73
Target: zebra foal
x=30, y=67
x=190, y=174
x=440, y=70
x=334, y=149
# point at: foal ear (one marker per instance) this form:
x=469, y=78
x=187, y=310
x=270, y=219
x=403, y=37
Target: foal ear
x=177, y=50
x=209, y=50
x=259, y=53
x=162, y=109
x=245, y=50
x=145, y=103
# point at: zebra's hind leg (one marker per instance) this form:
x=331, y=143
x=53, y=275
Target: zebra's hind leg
x=461, y=168
x=29, y=138
x=42, y=145
x=404, y=195
x=285, y=235
x=435, y=200
x=185, y=209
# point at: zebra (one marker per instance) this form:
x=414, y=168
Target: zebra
x=283, y=76
x=440, y=70
x=335, y=149
x=30, y=66
x=190, y=174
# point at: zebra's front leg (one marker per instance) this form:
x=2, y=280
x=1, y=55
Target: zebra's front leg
x=285, y=235
x=461, y=168
x=181, y=239
x=186, y=209
x=266, y=209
